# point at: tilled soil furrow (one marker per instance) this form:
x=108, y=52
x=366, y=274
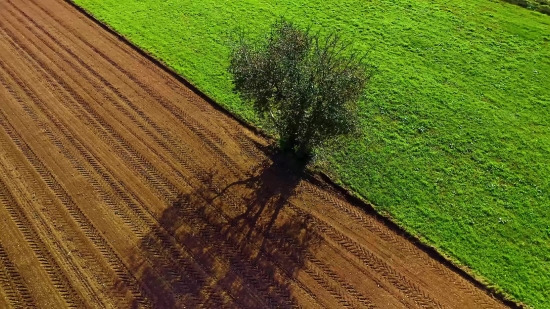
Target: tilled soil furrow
x=206, y=136
x=412, y=292
x=170, y=262
x=141, y=114
x=246, y=142
x=130, y=190
x=382, y=270
x=120, y=190
x=163, y=181
x=104, y=130
x=47, y=261
x=340, y=296
x=11, y=283
x=280, y=256
x=63, y=150
x=324, y=275
x=49, y=179
x=409, y=250
x=111, y=198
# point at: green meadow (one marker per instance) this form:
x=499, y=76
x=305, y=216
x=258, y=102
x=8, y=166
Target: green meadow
x=456, y=141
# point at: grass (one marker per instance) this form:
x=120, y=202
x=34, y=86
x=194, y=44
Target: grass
x=457, y=142
x=542, y=6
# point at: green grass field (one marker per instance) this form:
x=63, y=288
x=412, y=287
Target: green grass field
x=457, y=122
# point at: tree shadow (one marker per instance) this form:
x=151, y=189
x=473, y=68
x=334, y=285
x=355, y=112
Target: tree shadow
x=225, y=245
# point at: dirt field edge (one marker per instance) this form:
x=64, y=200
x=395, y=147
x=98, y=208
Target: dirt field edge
x=319, y=177
x=422, y=244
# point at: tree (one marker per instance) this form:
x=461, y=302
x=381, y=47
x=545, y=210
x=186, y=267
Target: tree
x=306, y=86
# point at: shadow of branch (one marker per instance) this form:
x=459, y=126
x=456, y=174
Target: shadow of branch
x=230, y=247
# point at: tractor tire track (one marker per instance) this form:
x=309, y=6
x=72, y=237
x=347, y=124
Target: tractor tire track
x=47, y=261
x=104, y=130
x=11, y=283
x=167, y=264
x=76, y=143
x=77, y=215
x=183, y=206
x=211, y=140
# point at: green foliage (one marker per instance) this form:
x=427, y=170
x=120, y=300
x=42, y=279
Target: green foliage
x=306, y=86
x=542, y=6
x=457, y=148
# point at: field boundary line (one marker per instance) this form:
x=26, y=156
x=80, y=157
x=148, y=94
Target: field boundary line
x=318, y=177
x=171, y=72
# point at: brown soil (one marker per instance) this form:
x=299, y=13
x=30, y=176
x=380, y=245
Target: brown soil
x=122, y=188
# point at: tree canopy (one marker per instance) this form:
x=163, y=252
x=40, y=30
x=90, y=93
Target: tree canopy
x=307, y=86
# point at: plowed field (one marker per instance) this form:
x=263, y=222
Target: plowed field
x=122, y=188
